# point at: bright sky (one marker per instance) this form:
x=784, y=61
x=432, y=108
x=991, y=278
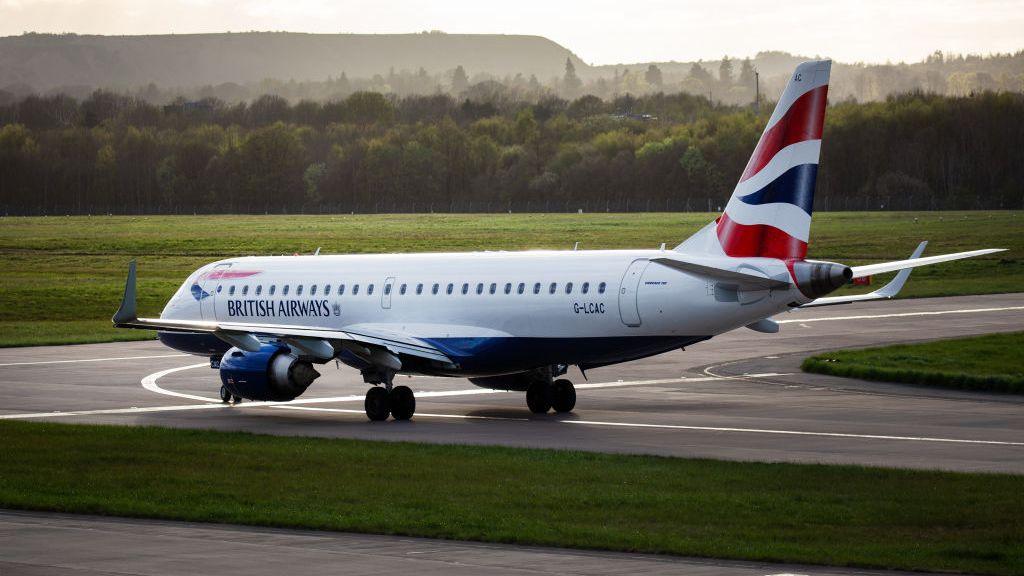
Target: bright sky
x=599, y=31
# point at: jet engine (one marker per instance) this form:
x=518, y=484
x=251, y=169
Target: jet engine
x=273, y=373
x=816, y=279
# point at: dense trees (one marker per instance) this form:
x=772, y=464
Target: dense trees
x=487, y=151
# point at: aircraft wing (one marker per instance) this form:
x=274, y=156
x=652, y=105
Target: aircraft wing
x=311, y=340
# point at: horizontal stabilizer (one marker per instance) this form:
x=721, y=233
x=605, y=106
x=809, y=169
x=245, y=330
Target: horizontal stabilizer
x=890, y=290
x=744, y=279
x=869, y=269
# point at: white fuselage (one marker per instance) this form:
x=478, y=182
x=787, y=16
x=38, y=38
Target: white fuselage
x=518, y=307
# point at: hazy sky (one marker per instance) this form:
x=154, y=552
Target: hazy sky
x=599, y=31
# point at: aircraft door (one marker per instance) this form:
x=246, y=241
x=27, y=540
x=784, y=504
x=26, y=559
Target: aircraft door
x=385, y=294
x=208, y=291
x=629, y=310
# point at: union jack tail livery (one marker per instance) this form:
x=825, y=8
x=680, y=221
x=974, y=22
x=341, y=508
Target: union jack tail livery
x=769, y=213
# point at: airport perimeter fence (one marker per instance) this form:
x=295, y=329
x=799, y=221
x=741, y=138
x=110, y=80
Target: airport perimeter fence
x=821, y=204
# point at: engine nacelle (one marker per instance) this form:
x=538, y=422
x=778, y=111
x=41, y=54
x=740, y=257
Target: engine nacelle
x=273, y=373
x=816, y=279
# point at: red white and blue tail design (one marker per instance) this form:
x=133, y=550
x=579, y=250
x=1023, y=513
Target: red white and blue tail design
x=769, y=213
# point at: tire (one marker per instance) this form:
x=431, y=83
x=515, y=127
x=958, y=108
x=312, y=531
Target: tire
x=563, y=396
x=403, y=403
x=225, y=395
x=236, y=399
x=377, y=404
x=538, y=397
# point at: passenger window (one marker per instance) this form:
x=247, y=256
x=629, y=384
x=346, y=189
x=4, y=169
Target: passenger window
x=553, y=287
x=480, y=288
x=465, y=288
x=312, y=290
x=585, y=288
x=536, y=288
x=419, y=289
x=508, y=288
x=387, y=289
x=355, y=289
x=284, y=290
x=568, y=288
x=434, y=289
x=327, y=290
x=273, y=288
x=522, y=286
x=600, y=288
x=219, y=288
x=369, y=290
x=259, y=289
x=450, y=287
x=341, y=289
x=231, y=290
x=402, y=290
x=245, y=290
x=298, y=290
x=493, y=287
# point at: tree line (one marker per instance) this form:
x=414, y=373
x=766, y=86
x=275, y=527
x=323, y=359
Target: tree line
x=117, y=153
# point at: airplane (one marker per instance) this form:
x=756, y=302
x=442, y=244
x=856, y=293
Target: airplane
x=518, y=320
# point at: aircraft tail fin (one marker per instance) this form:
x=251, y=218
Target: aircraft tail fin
x=769, y=213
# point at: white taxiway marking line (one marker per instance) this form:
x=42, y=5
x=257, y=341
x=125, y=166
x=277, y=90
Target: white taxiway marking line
x=149, y=383
x=95, y=360
x=793, y=432
x=418, y=414
x=901, y=314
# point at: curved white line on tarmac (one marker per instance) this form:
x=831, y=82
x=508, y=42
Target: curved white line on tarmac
x=149, y=383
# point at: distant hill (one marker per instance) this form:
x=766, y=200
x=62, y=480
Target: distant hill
x=47, y=61
x=237, y=67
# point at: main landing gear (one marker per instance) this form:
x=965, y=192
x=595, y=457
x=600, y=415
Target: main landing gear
x=542, y=396
x=399, y=403
x=396, y=401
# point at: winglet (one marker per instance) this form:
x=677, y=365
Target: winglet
x=126, y=312
x=896, y=284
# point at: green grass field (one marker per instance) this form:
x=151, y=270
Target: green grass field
x=994, y=362
x=838, y=515
x=63, y=275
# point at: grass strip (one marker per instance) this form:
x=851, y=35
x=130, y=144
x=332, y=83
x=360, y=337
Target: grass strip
x=69, y=271
x=838, y=515
x=994, y=363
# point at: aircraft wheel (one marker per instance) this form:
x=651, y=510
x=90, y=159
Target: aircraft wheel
x=377, y=404
x=225, y=395
x=403, y=403
x=563, y=396
x=538, y=397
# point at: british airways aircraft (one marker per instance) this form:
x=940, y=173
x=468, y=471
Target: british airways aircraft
x=518, y=320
